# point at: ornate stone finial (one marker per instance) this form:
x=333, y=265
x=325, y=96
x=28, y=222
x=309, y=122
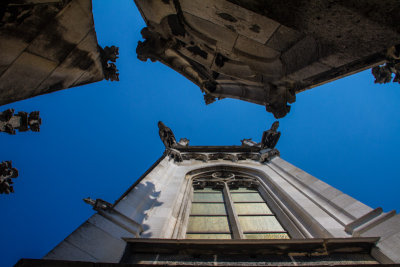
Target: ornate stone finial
x=270, y=137
x=97, y=204
x=109, y=69
x=21, y=121
x=383, y=73
x=7, y=173
x=166, y=135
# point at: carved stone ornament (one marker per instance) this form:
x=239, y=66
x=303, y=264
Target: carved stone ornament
x=109, y=56
x=174, y=154
x=183, y=142
x=248, y=142
x=10, y=122
x=383, y=73
x=166, y=135
x=271, y=137
x=263, y=156
x=98, y=204
x=217, y=180
x=268, y=154
x=277, y=99
x=7, y=173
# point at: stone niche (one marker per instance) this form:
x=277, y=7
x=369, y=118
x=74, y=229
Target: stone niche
x=265, y=52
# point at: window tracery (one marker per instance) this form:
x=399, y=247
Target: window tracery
x=228, y=205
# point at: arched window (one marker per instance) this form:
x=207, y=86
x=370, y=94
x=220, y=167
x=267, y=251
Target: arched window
x=228, y=205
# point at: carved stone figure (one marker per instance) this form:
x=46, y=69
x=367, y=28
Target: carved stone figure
x=268, y=155
x=174, y=154
x=109, y=69
x=383, y=73
x=166, y=135
x=97, y=204
x=21, y=121
x=7, y=173
x=270, y=137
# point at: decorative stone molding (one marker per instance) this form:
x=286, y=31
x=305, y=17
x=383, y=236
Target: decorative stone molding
x=261, y=152
x=252, y=156
x=226, y=156
x=196, y=156
x=21, y=121
x=217, y=180
x=265, y=156
x=109, y=56
x=7, y=173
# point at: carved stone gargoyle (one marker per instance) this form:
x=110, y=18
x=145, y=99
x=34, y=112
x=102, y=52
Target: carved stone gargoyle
x=270, y=137
x=7, y=173
x=166, y=135
x=9, y=122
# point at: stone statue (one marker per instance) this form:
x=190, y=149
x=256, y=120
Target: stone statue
x=166, y=135
x=270, y=137
x=7, y=173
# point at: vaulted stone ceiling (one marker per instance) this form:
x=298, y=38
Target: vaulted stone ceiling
x=267, y=51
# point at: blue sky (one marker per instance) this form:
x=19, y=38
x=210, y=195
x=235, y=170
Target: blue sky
x=96, y=140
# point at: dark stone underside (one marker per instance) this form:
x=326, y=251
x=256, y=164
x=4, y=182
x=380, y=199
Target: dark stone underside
x=265, y=52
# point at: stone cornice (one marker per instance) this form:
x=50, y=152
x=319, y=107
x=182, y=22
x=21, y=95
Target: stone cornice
x=229, y=153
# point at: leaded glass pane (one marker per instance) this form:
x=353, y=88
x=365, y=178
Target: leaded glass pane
x=208, y=209
x=207, y=189
x=208, y=224
x=260, y=224
x=208, y=236
x=252, y=208
x=208, y=197
x=243, y=190
x=267, y=236
x=246, y=197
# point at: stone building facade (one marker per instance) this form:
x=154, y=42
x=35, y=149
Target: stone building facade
x=229, y=205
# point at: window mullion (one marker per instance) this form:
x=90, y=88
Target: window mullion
x=232, y=215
